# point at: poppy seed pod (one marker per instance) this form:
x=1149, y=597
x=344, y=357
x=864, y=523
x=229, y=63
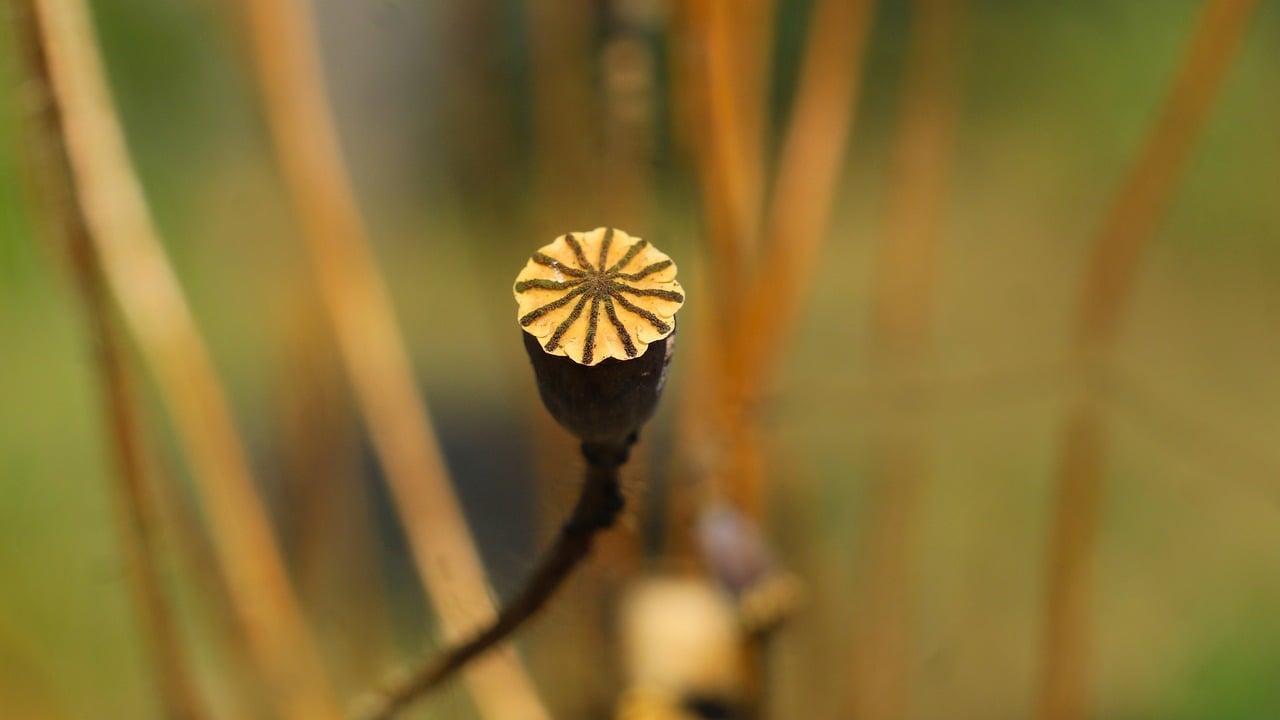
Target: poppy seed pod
x=598, y=313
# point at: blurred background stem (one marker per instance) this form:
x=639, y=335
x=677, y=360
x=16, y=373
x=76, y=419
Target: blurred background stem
x=139, y=277
x=376, y=359
x=903, y=310
x=135, y=505
x=760, y=294
x=1108, y=285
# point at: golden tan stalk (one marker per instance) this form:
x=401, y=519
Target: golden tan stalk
x=711, y=55
x=330, y=526
x=1140, y=203
x=372, y=349
x=753, y=25
x=726, y=62
x=698, y=449
x=902, y=323
x=136, y=526
x=724, y=165
x=709, y=130
x=317, y=451
x=808, y=175
x=724, y=425
x=1109, y=281
x=1064, y=693
x=155, y=311
x=238, y=688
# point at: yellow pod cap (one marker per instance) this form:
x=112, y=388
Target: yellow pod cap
x=599, y=294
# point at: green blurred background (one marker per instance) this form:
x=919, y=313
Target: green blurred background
x=434, y=102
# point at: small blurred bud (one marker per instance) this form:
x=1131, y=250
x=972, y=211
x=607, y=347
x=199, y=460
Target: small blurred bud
x=681, y=639
x=737, y=556
x=733, y=548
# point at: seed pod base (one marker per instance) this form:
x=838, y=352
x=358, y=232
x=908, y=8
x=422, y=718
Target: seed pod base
x=606, y=402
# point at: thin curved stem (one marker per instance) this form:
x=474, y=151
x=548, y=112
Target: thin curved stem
x=155, y=313
x=598, y=507
x=135, y=511
x=371, y=345
x=1109, y=284
x=903, y=316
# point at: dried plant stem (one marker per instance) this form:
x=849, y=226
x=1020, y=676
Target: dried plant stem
x=729, y=115
x=1108, y=284
x=372, y=349
x=138, y=275
x=812, y=156
x=902, y=322
x=138, y=537
x=597, y=509
x=136, y=520
x=725, y=165
x=1076, y=510
x=331, y=527
x=706, y=86
x=1140, y=203
x=730, y=77
x=697, y=454
x=809, y=166
x=753, y=25
x=723, y=441
x=756, y=306
x=905, y=281
x=240, y=690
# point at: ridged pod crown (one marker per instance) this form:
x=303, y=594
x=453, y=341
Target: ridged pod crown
x=600, y=294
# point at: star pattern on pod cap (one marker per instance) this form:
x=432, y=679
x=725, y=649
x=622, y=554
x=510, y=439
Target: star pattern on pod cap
x=598, y=294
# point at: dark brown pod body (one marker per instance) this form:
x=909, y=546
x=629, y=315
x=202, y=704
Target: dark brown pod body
x=606, y=402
